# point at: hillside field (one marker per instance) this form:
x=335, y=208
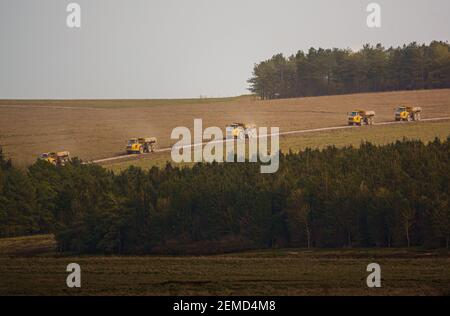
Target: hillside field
x=380, y=135
x=99, y=129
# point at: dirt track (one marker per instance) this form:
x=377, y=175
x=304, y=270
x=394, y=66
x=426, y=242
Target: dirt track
x=167, y=149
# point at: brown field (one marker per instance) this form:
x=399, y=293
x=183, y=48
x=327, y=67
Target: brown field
x=29, y=266
x=98, y=129
x=383, y=134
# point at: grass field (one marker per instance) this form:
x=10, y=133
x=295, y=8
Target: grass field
x=384, y=134
x=99, y=129
x=29, y=267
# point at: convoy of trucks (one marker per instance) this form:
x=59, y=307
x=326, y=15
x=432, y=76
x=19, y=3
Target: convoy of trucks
x=402, y=113
x=145, y=145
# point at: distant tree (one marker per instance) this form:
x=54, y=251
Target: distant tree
x=336, y=71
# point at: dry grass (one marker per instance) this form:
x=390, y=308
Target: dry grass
x=27, y=245
x=98, y=129
x=382, y=134
x=270, y=272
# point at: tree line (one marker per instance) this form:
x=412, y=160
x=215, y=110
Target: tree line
x=395, y=195
x=342, y=71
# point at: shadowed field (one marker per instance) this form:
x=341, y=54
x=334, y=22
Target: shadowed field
x=271, y=272
x=99, y=129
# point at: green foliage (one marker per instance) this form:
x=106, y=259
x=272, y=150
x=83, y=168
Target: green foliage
x=394, y=195
x=19, y=212
x=336, y=71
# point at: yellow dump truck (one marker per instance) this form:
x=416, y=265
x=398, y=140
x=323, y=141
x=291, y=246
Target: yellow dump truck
x=361, y=117
x=141, y=145
x=408, y=113
x=241, y=130
x=58, y=158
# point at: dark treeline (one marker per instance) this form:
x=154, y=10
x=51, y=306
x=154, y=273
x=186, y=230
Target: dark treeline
x=338, y=71
x=395, y=195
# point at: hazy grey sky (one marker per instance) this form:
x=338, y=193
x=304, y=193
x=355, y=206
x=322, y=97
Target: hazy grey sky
x=184, y=48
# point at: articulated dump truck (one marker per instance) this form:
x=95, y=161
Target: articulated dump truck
x=241, y=131
x=361, y=117
x=408, y=113
x=57, y=159
x=141, y=145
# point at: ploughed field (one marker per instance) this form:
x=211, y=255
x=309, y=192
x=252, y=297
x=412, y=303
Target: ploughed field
x=98, y=129
x=29, y=265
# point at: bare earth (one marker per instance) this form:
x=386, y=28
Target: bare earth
x=98, y=129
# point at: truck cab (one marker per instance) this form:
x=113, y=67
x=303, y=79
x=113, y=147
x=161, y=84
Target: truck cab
x=354, y=118
x=235, y=130
x=401, y=113
x=133, y=146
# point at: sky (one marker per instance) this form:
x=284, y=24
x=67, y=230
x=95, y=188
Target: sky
x=184, y=48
